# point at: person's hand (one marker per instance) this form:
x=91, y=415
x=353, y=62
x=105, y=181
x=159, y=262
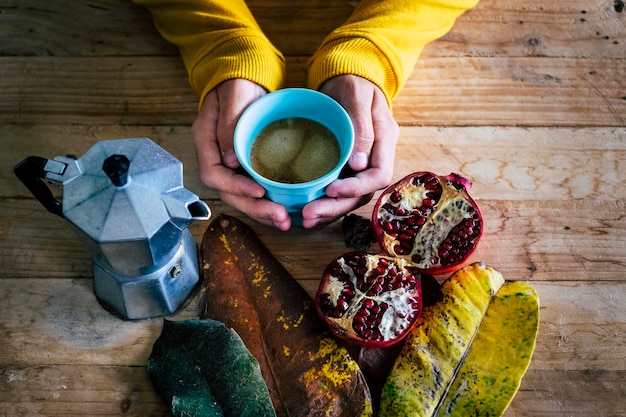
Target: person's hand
x=376, y=134
x=212, y=132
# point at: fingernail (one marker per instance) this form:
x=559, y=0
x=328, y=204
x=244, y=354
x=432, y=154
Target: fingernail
x=282, y=225
x=229, y=158
x=359, y=161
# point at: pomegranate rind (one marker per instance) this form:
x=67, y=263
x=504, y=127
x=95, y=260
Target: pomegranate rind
x=393, y=308
x=437, y=238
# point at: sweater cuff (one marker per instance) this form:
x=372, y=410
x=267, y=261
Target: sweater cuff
x=356, y=56
x=249, y=57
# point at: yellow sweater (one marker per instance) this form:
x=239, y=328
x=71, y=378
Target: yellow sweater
x=381, y=41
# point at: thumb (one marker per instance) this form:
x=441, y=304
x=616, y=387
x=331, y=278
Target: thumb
x=363, y=140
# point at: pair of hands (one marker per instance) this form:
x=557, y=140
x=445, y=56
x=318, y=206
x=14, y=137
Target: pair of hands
x=372, y=160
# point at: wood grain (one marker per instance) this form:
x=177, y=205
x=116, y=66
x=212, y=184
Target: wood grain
x=78, y=390
x=504, y=163
x=525, y=240
x=100, y=351
x=441, y=92
x=527, y=99
x=576, y=29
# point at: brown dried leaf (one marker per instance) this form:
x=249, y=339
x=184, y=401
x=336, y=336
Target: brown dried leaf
x=245, y=287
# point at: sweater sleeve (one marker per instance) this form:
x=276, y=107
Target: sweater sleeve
x=218, y=40
x=382, y=40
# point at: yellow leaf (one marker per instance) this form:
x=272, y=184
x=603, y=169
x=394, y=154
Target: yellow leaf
x=468, y=352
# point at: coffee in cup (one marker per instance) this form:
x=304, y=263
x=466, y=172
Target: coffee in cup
x=294, y=150
x=287, y=108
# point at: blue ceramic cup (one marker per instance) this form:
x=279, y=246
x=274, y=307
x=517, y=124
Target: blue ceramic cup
x=285, y=104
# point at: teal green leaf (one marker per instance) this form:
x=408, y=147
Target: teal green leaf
x=202, y=368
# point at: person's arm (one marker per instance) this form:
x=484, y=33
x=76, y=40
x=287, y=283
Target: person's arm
x=218, y=40
x=382, y=40
x=230, y=64
x=363, y=65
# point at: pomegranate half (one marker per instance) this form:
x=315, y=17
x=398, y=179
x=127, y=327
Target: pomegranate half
x=429, y=220
x=369, y=300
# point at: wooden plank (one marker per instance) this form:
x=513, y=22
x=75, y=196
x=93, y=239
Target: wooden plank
x=79, y=28
x=503, y=163
x=555, y=240
x=441, y=91
x=576, y=28
x=298, y=28
x=55, y=390
x=95, y=91
x=60, y=322
x=586, y=393
x=64, y=390
x=521, y=163
x=99, y=360
x=514, y=92
x=583, y=326
x=572, y=29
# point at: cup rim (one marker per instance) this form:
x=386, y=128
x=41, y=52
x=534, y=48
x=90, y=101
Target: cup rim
x=285, y=185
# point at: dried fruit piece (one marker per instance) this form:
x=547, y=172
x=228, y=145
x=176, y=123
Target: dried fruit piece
x=369, y=300
x=469, y=352
x=358, y=232
x=429, y=220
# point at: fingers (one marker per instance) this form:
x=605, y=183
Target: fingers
x=376, y=136
x=327, y=210
x=213, y=133
x=379, y=173
x=233, y=97
x=356, y=95
x=262, y=210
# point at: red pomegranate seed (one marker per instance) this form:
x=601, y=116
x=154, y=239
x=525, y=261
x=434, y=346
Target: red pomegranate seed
x=376, y=316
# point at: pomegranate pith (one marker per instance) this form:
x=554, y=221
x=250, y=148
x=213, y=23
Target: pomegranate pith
x=429, y=220
x=369, y=300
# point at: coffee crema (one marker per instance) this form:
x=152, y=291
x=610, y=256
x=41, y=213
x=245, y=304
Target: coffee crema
x=294, y=150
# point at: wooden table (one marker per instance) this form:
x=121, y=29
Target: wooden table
x=526, y=98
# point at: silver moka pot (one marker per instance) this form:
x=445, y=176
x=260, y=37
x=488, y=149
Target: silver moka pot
x=125, y=200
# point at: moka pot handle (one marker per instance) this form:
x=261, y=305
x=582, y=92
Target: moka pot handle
x=32, y=171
